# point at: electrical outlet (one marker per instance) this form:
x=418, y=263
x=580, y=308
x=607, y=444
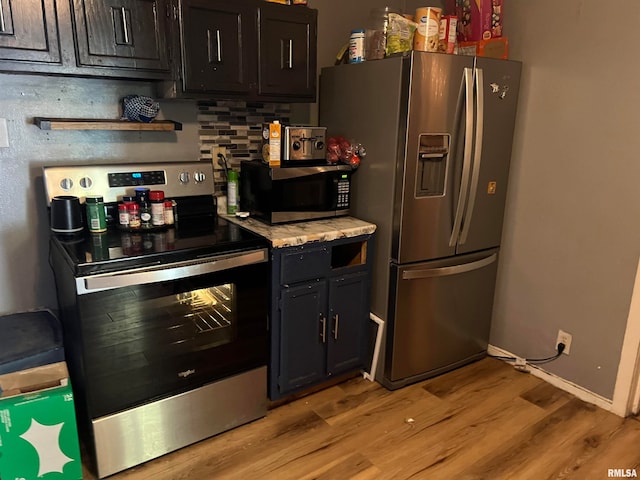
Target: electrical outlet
x=217, y=150
x=564, y=337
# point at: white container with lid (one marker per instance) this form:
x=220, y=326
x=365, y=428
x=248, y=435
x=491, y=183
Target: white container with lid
x=356, y=46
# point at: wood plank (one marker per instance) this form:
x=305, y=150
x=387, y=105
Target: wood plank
x=565, y=437
x=483, y=421
x=104, y=124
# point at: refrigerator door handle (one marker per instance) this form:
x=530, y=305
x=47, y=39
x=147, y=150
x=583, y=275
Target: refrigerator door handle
x=453, y=270
x=468, y=150
x=477, y=154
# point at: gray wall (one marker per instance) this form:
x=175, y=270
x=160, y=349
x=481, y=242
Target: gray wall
x=26, y=281
x=572, y=239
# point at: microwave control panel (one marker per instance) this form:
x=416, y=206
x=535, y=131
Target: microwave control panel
x=343, y=194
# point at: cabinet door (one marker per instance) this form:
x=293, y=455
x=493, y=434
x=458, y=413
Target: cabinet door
x=126, y=34
x=218, y=38
x=29, y=31
x=304, y=331
x=287, y=51
x=348, y=320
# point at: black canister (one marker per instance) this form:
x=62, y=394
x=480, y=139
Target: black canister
x=66, y=215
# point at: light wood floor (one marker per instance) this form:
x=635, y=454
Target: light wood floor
x=483, y=421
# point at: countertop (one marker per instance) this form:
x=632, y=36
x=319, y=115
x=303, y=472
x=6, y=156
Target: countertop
x=294, y=234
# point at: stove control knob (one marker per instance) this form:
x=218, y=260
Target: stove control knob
x=296, y=145
x=86, y=182
x=66, y=184
x=199, y=177
x=184, y=177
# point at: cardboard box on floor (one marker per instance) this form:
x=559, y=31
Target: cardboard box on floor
x=38, y=434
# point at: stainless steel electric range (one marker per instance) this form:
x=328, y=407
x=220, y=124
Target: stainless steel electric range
x=165, y=329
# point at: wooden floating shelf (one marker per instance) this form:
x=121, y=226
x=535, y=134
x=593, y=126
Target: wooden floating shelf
x=104, y=124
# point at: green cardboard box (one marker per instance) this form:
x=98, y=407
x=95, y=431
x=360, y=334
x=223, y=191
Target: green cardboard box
x=38, y=434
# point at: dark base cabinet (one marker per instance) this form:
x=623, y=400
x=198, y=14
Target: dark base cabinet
x=320, y=313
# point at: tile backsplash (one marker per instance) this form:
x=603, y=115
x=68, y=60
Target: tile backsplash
x=236, y=126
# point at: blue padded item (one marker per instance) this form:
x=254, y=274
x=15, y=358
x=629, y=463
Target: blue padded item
x=137, y=108
x=28, y=340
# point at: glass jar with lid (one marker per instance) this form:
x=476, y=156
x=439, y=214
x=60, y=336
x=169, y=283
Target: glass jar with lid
x=376, y=32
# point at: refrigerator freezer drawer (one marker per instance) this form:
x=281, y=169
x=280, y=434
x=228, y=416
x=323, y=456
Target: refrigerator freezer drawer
x=439, y=316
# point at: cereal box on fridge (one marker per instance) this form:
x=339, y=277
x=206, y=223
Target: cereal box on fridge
x=448, y=33
x=474, y=19
x=496, y=18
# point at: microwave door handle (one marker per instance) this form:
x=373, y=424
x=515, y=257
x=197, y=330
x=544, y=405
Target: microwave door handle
x=468, y=148
x=477, y=155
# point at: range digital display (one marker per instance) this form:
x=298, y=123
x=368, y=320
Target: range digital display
x=132, y=179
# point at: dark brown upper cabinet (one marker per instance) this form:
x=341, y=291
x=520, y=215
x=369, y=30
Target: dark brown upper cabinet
x=287, y=51
x=29, y=31
x=103, y=38
x=251, y=50
x=123, y=34
x=218, y=38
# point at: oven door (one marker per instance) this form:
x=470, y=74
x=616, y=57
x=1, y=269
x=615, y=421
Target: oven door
x=153, y=333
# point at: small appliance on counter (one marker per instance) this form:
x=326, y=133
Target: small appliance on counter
x=294, y=145
x=304, y=146
x=282, y=195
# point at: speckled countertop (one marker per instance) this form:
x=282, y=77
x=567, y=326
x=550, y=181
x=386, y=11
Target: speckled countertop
x=294, y=234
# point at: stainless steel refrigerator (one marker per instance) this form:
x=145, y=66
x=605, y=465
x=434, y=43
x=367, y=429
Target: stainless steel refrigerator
x=438, y=134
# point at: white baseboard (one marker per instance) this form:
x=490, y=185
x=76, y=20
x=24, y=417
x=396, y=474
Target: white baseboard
x=561, y=383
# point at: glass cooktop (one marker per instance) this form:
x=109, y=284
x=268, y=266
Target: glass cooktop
x=114, y=250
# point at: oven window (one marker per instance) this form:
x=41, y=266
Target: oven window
x=148, y=341
x=209, y=314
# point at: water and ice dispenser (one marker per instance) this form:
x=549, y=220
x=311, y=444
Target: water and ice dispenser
x=433, y=154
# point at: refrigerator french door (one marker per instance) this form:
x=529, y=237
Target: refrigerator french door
x=438, y=133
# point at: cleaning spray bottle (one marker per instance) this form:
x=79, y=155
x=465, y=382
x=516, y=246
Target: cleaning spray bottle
x=232, y=192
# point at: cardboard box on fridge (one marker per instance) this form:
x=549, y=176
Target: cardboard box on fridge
x=477, y=19
x=492, y=48
x=38, y=434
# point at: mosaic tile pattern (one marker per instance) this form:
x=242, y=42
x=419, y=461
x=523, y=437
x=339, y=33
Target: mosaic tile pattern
x=237, y=126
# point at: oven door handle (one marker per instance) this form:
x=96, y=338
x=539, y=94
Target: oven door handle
x=169, y=272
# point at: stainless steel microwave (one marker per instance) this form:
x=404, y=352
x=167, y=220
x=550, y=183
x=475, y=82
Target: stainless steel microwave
x=282, y=195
